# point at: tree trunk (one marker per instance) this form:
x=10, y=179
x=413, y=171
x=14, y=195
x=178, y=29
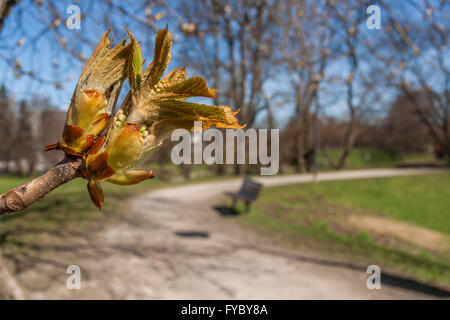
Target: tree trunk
x=239, y=169
x=299, y=147
x=31, y=167
x=349, y=142
x=220, y=170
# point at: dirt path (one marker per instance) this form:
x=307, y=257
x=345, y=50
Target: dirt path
x=173, y=245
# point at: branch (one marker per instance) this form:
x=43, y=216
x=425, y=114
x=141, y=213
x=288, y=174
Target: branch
x=5, y=8
x=21, y=197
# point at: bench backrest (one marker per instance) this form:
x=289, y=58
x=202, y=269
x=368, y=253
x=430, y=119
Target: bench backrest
x=250, y=189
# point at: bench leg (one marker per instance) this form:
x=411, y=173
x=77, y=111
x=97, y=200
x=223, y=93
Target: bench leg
x=247, y=206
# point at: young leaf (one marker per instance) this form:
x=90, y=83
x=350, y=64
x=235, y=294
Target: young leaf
x=161, y=59
x=96, y=193
x=94, y=97
x=134, y=65
x=130, y=176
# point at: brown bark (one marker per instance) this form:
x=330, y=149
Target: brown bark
x=350, y=136
x=5, y=8
x=21, y=197
x=299, y=146
x=348, y=147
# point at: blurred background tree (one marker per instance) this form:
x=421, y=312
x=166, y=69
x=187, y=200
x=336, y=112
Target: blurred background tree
x=311, y=68
x=24, y=147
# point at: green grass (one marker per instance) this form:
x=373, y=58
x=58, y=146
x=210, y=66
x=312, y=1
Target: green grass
x=362, y=158
x=423, y=200
x=359, y=158
x=314, y=215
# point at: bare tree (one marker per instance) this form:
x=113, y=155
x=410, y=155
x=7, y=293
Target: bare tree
x=308, y=44
x=7, y=128
x=415, y=59
x=234, y=45
x=51, y=124
x=349, y=16
x=404, y=130
x=25, y=141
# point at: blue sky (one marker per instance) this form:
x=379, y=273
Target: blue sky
x=46, y=57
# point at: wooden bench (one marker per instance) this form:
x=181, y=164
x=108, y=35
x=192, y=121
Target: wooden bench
x=248, y=193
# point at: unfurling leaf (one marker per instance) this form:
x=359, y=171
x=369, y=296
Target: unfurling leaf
x=97, y=167
x=176, y=114
x=96, y=193
x=94, y=97
x=130, y=176
x=124, y=147
x=161, y=59
x=195, y=86
x=110, y=149
x=87, y=119
x=135, y=65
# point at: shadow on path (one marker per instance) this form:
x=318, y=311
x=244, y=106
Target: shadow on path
x=226, y=211
x=192, y=234
x=386, y=278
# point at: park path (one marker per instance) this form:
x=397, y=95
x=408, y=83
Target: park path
x=173, y=245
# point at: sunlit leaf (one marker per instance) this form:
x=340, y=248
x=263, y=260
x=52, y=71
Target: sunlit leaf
x=130, y=176
x=96, y=193
x=161, y=59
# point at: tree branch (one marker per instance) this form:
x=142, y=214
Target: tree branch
x=5, y=8
x=21, y=197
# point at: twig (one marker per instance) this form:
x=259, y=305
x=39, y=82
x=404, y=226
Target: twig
x=21, y=197
x=5, y=8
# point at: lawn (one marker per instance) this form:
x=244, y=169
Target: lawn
x=361, y=158
x=423, y=200
x=322, y=216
